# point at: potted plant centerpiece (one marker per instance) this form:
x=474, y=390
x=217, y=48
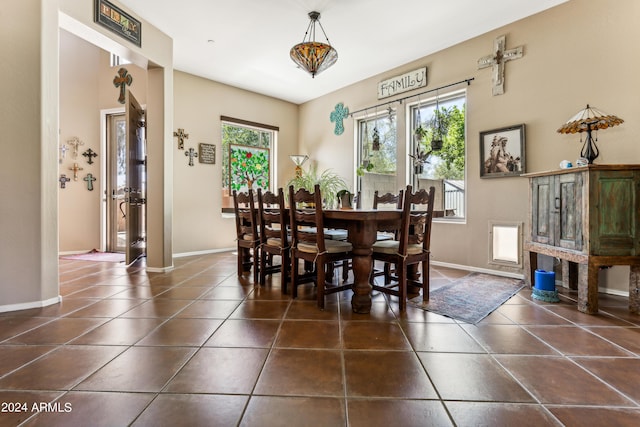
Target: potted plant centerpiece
x=330, y=183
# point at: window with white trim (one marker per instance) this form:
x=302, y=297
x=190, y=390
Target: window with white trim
x=248, y=153
x=437, y=149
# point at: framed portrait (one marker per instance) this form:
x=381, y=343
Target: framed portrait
x=502, y=152
x=248, y=168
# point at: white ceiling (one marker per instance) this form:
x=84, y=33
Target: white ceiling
x=246, y=43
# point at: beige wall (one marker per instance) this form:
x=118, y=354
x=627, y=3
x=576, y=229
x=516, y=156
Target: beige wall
x=155, y=54
x=577, y=53
x=198, y=224
x=86, y=88
x=31, y=121
x=21, y=178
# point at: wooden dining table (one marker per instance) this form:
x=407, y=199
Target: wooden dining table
x=362, y=226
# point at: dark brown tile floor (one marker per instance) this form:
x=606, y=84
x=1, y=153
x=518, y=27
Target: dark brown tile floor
x=199, y=346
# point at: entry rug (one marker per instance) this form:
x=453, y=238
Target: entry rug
x=470, y=298
x=95, y=255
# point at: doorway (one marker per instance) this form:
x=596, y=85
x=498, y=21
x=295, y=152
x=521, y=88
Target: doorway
x=126, y=180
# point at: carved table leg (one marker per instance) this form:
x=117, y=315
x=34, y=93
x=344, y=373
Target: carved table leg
x=362, y=236
x=413, y=280
x=362, y=263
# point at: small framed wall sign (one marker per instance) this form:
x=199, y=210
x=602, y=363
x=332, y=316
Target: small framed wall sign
x=502, y=152
x=207, y=153
x=118, y=21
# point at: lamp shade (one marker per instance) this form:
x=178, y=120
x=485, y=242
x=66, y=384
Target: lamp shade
x=298, y=159
x=590, y=119
x=311, y=55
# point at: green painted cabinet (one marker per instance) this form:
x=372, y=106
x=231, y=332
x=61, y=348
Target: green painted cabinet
x=556, y=212
x=589, y=217
x=593, y=209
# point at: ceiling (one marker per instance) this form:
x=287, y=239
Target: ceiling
x=246, y=43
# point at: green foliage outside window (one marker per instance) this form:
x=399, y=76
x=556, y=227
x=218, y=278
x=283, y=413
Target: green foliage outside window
x=383, y=160
x=447, y=124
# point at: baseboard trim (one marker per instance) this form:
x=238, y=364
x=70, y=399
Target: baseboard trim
x=64, y=253
x=159, y=269
x=206, y=252
x=611, y=291
x=478, y=270
x=29, y=305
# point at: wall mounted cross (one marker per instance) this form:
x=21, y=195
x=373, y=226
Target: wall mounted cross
x=90, y=154
x=191, y=153
x=338, y=115
x=122, y=80
x=181, y=137
x=89, y=179
x=63, y=180
x=75, y=143
x=497, y=60
x=75, y=170
x=63, y=152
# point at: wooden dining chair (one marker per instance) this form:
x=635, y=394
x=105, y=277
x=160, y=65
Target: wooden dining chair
x=247, y=238
x=274, y=239
x=309, y=243
x=411, y=248
x=387, y=201
x=391, y=199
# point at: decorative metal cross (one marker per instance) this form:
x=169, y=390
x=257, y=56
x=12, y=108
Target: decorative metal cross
x=90, y=154
x=497, y=60
x=191, y=153
x=63, y=180
x=122, y=80
x=74, y=143
x=75, y=170
x=89, y=179
x=338, y=115
x=181, y=137
x=63, y=151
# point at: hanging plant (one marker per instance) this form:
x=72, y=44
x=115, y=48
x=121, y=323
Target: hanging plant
x=419, y=159
x=440, y=126
x=375, y=145
x=365, y=166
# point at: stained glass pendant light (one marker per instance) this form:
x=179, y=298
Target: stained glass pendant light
x=313, y=56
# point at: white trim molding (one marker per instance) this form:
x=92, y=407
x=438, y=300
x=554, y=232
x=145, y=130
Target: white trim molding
x=28, y=305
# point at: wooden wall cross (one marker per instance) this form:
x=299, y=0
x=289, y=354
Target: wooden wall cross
x=63, y=180
x=89, y=179
x=90, y=154
x=497, y=60
x=191, y=153
x=181, y=137
x=122, y=80
x=75, y=143
x=75, y=170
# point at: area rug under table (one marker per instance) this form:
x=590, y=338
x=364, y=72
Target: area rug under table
x=470, y=298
